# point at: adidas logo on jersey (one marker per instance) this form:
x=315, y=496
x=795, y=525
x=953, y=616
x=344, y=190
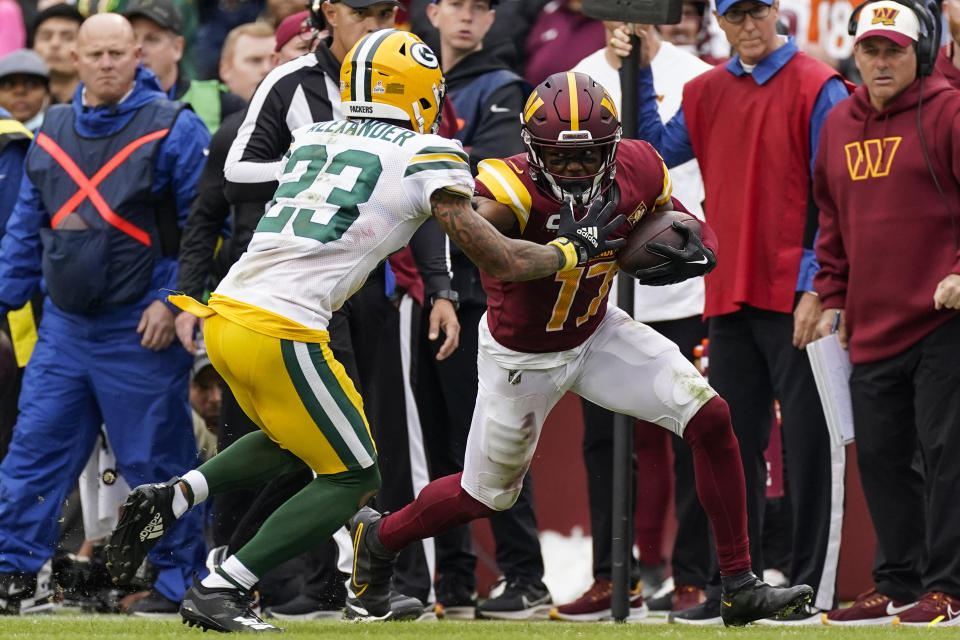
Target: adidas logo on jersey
x=154, y=528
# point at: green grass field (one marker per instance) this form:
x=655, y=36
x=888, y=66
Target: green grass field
x=84, y=627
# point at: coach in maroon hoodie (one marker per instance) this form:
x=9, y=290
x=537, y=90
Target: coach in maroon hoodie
x=889, y=285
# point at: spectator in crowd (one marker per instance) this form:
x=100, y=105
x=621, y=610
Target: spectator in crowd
x=692, y=33
x=279, y=10
x=25, y=87
x=673, y=311
x=187, y=10
x=13, y=34
x=760, y=299
x=304, y=426
x=157, y=25
x=296, y=36
x=107, y=333
x=54, y=34
x=948, y=62
x=889, y=280
x=247, y=57
x=14, y=140
x=506, y=37
x=205, y=396
x=488, y=98
x=560, y=38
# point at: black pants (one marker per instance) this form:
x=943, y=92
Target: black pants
x=446, y=393
x=910, y=400
x=752, y=362
x=692, y=553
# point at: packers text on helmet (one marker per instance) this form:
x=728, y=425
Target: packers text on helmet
x=392, y=74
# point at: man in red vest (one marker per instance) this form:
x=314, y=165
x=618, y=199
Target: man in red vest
x=753, y=125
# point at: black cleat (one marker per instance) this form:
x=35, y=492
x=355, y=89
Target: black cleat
x=27, y=593
x=401, y=608
x=223, y=610
x=144, y=517
x=372, y=565
x=752, y=599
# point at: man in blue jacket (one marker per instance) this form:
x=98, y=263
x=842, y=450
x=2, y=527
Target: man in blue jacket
x=108, y=183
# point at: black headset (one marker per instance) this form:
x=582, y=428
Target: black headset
x=928, y=42
x=317, y=21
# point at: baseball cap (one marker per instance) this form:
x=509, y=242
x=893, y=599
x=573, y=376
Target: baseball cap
x=163, y=12
x=23, y=62
x=61, y=10
x=889, y=19
x=362, y=4
x=724, y=5
x=290, y=27
x=200, y=362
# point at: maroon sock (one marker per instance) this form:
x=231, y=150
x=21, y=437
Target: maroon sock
x=441, y=506
x=651, y=444
x=720, y=486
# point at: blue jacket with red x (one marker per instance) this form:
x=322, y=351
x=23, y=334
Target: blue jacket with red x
x=89, y=170
x=176, y=168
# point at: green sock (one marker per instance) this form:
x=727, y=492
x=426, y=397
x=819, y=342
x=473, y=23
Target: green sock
x=251, y=461
x=308, y=518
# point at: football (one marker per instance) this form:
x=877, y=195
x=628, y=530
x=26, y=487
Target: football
x=655, y=226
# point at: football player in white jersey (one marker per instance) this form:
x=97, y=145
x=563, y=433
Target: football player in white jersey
x=352, y=192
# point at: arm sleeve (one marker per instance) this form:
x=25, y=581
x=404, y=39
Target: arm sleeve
x=11, y=170
x=498, y=133
x=832, y=92
x=441, y=164
x=254, y=161
x=21, y=249
x=429, y=246
x=206, y=220
x=671, y=140
x=830, y=281
x=178, y=166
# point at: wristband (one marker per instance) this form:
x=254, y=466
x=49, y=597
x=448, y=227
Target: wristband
x=569, y=252
x=447, y=294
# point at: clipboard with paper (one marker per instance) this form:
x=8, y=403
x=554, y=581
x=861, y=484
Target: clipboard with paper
x=831, y=371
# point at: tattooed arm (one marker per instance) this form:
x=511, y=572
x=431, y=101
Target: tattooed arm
x=499, y=256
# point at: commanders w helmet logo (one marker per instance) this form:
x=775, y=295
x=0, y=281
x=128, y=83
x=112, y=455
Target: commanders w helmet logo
x=393, y=75
x=887, y=16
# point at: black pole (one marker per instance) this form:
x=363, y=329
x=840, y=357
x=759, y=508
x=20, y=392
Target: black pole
x=623, y=489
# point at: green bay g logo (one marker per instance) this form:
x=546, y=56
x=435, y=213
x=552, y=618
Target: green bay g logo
x=424, y=55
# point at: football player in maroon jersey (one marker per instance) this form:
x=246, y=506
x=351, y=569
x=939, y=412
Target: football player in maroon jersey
x=544, y=337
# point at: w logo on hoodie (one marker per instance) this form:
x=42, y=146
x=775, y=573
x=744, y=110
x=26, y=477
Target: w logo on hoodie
x=871, y=158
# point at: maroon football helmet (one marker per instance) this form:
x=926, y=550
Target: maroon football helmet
x=572, y=112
